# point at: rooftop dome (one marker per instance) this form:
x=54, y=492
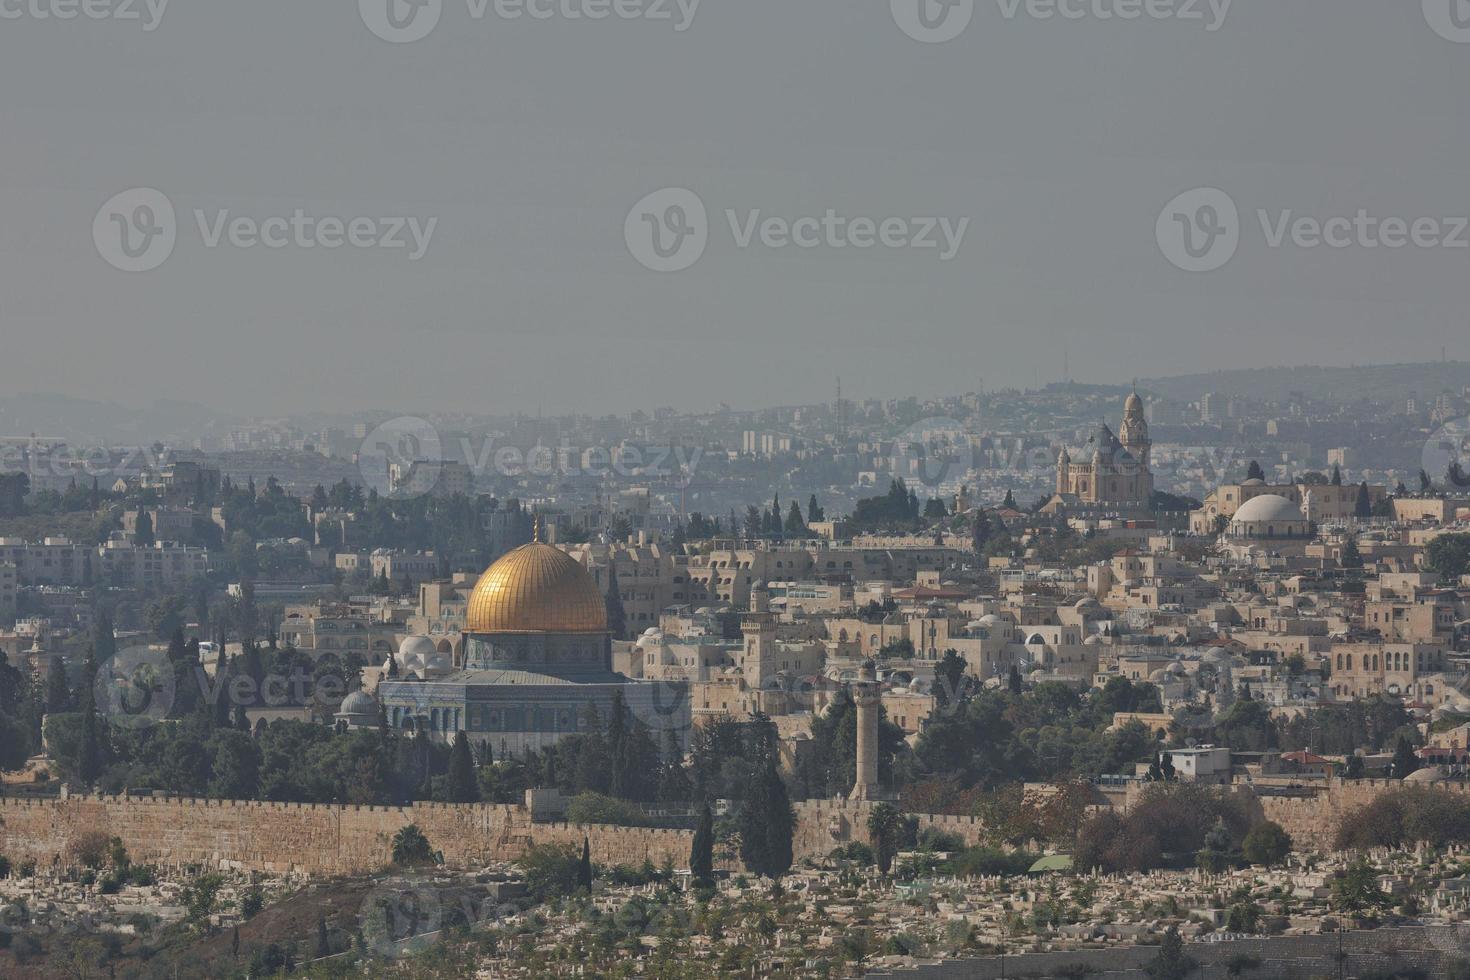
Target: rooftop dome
x=536, y=589
x=359, y=703
x=1429, y=774
x=1268, y=507
x=415, y=652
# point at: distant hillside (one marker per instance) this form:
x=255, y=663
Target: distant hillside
x=1387, y=383
x=85, y=422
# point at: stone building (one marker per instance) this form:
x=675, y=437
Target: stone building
x=1115, y=471
x=536, y=664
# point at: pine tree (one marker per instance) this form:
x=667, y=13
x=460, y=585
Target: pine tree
x=323, y=943
x=1010, y=501
x=1336, y=475
x=1255, y=472
x=814, y=512
x=464, y=786
x=702, y=853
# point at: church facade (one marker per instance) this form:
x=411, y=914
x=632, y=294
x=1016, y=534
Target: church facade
x=1113, y=473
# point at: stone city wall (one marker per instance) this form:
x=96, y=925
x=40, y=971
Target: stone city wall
x=313, y=838
x=1312, y=819
x=326, y=839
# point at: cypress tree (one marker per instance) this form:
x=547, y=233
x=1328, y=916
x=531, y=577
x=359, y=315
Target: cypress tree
x=463, y=786
x=89, y=762
x=58, y=694
x=617, y=745
x=767, y=822
x=702, y=854
x=584, y=868
x=617, y=617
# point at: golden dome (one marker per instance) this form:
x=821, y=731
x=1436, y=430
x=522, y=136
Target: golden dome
x=536, y=589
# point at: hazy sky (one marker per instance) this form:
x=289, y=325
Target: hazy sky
x=528, y=141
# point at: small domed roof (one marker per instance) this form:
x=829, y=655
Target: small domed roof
x=1268, y=507
x=415, y=651
x=359, y=703
x=1429, y=774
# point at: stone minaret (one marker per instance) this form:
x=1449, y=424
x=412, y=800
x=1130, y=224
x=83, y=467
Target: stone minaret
x=865, y=693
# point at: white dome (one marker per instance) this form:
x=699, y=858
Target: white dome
x=1268, y=508
x=1254, y=481
x=415, y=647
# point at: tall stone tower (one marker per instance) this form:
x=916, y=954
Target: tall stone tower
x=866, y=694
x=1134, y=434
